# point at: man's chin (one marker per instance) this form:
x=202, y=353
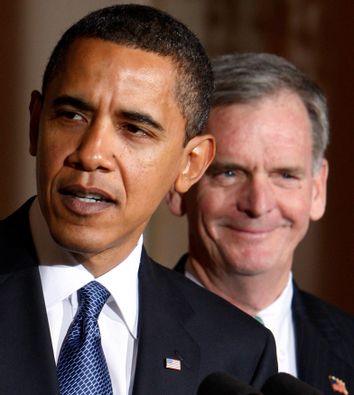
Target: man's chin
x=250, y=264
x=78, y=242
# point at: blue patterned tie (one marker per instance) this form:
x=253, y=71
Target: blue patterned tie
x=82, y=368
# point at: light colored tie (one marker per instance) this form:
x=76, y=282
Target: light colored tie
x=259, y=319
x=82, y=367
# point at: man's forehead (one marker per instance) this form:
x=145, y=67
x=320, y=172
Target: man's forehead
x=82, y=50
x=130, y=83
x=114, y=48
x=282, y=112
x=91, y=61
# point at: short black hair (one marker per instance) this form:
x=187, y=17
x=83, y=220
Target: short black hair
x=149, y=29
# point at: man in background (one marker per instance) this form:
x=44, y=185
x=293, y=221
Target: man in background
x=83, y=309
x=253, y=206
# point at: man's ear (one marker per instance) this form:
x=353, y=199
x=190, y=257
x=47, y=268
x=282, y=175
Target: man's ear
x=198, y=154
x=35, y=108
x=319, y=192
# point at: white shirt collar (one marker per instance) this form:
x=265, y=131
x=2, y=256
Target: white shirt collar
x=275, y=311
x=281, y=307
x=62, y=276
x=278, y=318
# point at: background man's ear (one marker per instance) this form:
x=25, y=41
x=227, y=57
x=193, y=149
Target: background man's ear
x=198, y=154
x=174, y=201
x=319, y=192
x=35, y=108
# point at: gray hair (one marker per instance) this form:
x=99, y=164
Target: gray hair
x=243, y=78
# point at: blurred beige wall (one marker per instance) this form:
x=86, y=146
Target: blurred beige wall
x=315, y=34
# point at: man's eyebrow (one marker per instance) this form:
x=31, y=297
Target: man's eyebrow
x=220, y=167
x=297, y=170
x=72, y=101
x=142, y=118
x=85, y=106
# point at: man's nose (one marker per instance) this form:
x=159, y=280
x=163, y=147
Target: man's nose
x=256, y=197
x=95, y=149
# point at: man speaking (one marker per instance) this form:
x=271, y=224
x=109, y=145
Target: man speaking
x=83, y=309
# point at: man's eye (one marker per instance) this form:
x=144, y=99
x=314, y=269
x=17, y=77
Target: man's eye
x=224, y=178
x=287, y=179
x=287, y=176
x=228, y=173
x=134, y=129
x=222, y=174
x=70, y=115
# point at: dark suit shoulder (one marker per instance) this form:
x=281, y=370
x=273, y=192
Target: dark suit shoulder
x=202, y=300
x=17, y=249
x=324, y=341
x=322, y=314
x=223, y=332
x=198, y=294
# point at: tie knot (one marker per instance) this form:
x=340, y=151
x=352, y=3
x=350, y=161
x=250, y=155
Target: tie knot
x=92, y=297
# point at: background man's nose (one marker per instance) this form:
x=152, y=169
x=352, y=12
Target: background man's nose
x=257, y=197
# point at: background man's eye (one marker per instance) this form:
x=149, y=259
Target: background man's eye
x=287, y=175
x=229, y=173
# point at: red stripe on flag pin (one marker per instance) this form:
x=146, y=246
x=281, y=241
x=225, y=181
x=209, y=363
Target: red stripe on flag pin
x=338, y=385
x=174, y=364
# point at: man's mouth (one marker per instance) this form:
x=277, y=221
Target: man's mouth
x=87, y=196
x=257, y=230
x=90, y=197
x=86, y=201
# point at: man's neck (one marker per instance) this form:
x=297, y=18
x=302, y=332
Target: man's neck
x=249, y=293
x=103, y=262
x=51, y=253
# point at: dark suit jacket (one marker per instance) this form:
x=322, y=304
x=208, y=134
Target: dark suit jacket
x=324, y=340
x=176, y=319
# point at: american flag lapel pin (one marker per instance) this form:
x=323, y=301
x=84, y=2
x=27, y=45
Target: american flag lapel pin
x=338, y=385
x=173, y=364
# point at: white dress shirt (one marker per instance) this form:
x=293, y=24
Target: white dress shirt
x=62, y=277
x=278, y=318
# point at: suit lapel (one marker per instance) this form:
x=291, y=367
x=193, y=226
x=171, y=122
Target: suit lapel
x=26, y=357
x=25, y=340
x=311, y=352
x=318, y=345
x=163, y=333
x=181, y=264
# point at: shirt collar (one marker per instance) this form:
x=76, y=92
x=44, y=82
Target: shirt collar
x=276, y=311
x=62, y=275
x=281, y=307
